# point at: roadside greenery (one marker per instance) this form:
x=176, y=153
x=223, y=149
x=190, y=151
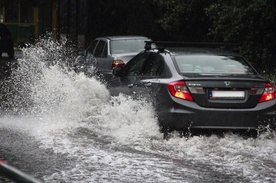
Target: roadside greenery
x=251, y=24
x=184, y=20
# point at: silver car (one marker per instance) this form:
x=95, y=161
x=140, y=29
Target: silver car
x=105, y=53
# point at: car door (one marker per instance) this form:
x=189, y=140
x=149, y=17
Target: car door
x=147, y=81
x=141, y=74
x=125, y=83
x=89, y=53
x=103, y=59
x=86, y=61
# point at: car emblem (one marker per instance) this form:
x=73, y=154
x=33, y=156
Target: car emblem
x=227, y=83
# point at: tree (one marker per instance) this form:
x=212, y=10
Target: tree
x=184, y=20
x=250, y=23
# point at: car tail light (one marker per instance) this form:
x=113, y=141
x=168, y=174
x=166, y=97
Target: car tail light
x=180, y=90
x=268, y=94
x=117, y=63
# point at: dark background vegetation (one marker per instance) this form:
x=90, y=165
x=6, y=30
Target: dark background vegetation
x=250, y=24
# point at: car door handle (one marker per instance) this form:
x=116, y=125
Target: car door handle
x=146, y=85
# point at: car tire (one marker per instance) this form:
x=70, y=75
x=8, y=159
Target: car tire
x=166, y=132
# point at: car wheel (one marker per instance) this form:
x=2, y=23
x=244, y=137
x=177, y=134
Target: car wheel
x=166, y=132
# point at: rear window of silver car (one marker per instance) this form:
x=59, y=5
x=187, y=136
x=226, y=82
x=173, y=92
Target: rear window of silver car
x=212, y=64
x=127, y=46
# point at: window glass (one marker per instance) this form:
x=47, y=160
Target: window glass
x=154, y=65
x=212, y=64
x=134, y=66
x=104, y=53
x=92, y=46
x=127, y=46
x=100, y=49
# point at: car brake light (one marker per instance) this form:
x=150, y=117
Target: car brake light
x=268, y=94
x=117, y=63
x=179, y=90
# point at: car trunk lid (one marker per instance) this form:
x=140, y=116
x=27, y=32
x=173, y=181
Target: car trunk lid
x=226, y=93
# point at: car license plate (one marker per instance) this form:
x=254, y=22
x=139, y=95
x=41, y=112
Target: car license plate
x=214, y=94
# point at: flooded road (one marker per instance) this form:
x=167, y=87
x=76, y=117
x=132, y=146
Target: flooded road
x=66, y=128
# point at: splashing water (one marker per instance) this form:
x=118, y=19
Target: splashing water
x=46, y=84
x=45, y=89
x=71, y=114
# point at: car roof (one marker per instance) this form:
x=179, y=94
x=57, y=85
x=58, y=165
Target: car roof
x=123, y=37
x=194, y=51
x=221, y=49
x=201, y=51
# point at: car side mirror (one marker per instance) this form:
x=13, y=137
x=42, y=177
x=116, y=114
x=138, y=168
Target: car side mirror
x=118, y=72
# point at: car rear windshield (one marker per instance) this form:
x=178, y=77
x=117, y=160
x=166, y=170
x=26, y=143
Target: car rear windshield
x=212, y=64
x=127, y=46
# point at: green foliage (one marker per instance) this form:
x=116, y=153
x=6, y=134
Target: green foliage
x=250, y=23
x=183, y=20
x=174, y=13
x=269, y=76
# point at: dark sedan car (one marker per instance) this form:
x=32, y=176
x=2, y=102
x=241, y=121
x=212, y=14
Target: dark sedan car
x=107, y=52
x=199, y=89
x=6, y=41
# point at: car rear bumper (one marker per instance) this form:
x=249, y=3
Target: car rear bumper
x=193, y=116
